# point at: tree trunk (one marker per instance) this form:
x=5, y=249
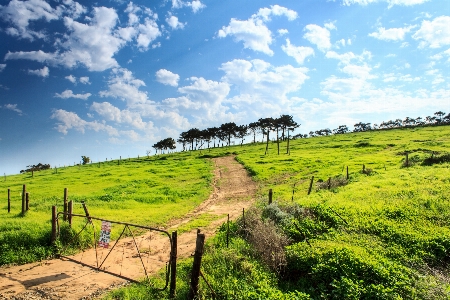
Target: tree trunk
x=278, y=142
x=267, y=143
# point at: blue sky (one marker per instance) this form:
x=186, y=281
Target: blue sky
x=110, y=78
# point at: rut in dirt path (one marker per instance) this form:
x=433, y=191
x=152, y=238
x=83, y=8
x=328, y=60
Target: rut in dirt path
x=64, y=279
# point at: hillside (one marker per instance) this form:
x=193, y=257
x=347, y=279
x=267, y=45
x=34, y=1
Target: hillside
x=383, y=234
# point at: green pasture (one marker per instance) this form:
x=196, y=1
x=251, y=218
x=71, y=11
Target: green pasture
x=383, y=235
x=148, y=191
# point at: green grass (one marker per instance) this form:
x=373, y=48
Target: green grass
x=385, y=235
x=149, y=191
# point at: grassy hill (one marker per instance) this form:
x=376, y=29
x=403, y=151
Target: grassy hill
x=383, y=234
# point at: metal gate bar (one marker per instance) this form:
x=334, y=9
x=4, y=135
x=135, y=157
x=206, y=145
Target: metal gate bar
x=126, y=225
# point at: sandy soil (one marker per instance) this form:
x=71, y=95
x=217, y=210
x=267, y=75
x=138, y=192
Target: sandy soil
x=66, y=279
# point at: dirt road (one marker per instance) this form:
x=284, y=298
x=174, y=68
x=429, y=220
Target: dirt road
x=65, y=279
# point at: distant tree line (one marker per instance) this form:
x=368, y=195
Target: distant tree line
x=38, y=167
x=196, y=139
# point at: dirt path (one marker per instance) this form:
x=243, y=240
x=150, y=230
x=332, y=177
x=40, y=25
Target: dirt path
x=64, y=279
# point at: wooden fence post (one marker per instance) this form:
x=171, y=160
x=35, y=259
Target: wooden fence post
x=193, y=291
x=364, y=168
x=27, y=201
x=310, y=185
x=228, y=230
x=329, y=182
x=70, y=212
x=24, y=190
x=65, y=204
x=173, y=266
x=243, y=217
x=9, y=200
x=270, y=196
x=347, y=173
x=53, y=224
x=407, y=160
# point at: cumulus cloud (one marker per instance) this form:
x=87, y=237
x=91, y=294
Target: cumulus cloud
x=44, y=72
x=391, y=34
x=299, y=53
x=2, y=67
x=253, y=32
x=20, y=13
x=84, y=80
x=196, y=5
x=71, y=78
x=69, y=94
x=319, y=36
x=391, y=3
x=70, y=120
x=95, y=43
x=13, y=107
x=112, y=113
x=434, y=34
x=124, y=86
x=174, y=23
x=166, y=77
x=262, y=89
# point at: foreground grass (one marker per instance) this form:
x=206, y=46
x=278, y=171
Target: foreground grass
x=148, y=191
x=384, y=235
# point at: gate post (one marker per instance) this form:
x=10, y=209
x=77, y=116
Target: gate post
x=193, y=291
x=173, y=266
x=65, y=204
x=53, y=224
x=70, y=211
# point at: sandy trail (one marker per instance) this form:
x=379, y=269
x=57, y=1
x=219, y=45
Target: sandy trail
x=65, y=279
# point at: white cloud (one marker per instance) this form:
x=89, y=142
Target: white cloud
x=318, y=36
x=298, y=53
x=71, y=78
x=69, y=120
x=148, y=32
x=166, y=77
x=13, y=107
x=124, y=86
x=95, y=43
x=391, y=34
x=174, y=23
x=84, y=80
x=283, y=31
x=441, y=55
x=2, y=67
x=391, y=3
x=347, y=57
x=196, y=5
x=44, y=72
x=112, y=113
x=262, y=89
x=253, y=32
x=74, y=9
x=69, y=94
x=21, y=13
x=434, y=34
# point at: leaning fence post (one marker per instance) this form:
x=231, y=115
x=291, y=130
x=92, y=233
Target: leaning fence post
x=173, y=266
x=9, y=200
x=310, y=185
x=270, y=196
x=27, y=201
x=70, y=211
x=65, y=205
x=228, y=230
x=193, y=291
x=53, y=223
x=24, y=190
